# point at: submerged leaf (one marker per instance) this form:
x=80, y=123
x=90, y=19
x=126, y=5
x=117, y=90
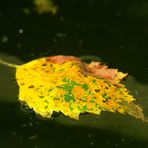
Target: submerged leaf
x=68, y=85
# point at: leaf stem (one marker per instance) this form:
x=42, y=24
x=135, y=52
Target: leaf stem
x=8, y=64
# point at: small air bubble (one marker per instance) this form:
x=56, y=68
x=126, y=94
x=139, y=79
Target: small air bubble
x=116, y=144
x=92, y=143
x=14, y=133
x=18, y=45
x=61, y=35
x=5, y=39
x=123, y=139
x=21, y=31
x=90, y=135
x=33, y=137
x=80, y=42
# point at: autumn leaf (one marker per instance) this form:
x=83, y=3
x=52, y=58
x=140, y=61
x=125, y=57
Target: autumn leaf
x=68, y=85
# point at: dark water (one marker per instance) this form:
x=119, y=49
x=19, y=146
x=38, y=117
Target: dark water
x=115, y=31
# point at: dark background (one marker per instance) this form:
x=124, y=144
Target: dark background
x=115, y=31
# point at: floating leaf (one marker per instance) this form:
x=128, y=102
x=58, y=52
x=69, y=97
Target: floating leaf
x=68, y=85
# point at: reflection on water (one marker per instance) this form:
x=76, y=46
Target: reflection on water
x=8, y=85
